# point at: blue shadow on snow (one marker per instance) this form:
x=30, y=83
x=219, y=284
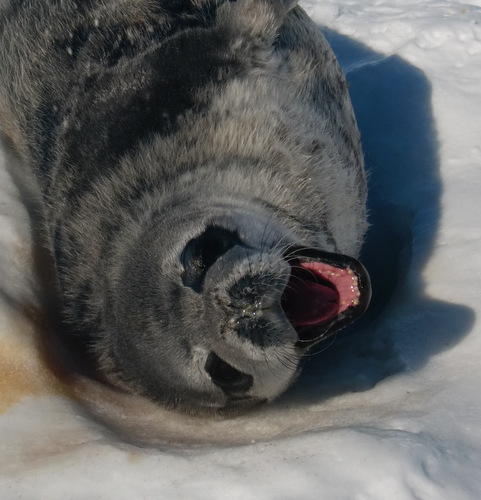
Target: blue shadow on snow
x=403, y=327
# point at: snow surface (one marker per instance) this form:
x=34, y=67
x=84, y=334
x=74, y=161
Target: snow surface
x=392, y=411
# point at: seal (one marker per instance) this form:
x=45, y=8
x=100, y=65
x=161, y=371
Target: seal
x=202, y=184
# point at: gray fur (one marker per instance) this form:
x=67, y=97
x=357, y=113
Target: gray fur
x=144, y=122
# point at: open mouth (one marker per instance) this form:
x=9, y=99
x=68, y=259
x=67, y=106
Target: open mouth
x=325, y=293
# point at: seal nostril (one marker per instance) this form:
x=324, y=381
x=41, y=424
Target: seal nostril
x=225, y=376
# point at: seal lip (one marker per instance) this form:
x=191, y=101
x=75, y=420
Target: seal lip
x=315, y=331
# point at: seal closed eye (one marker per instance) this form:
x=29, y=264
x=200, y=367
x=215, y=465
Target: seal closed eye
x=202, y=251
x=203, y=188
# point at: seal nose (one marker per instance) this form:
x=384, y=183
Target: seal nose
x=232, y=381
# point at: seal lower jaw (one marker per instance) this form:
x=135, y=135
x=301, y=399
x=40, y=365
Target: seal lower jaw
x=325, y=293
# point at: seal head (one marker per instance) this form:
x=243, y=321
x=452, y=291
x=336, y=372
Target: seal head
x=225, y=318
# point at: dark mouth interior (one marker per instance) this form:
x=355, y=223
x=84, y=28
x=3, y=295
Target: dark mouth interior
x=317, y=294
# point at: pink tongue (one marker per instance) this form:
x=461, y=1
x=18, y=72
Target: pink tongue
x=317, y=293
x=311, y=303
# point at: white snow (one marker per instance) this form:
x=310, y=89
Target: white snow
x=390, y=412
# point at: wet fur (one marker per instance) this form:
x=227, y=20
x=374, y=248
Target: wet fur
x=141, y=121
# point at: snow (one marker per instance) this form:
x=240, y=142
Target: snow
x=392, y=411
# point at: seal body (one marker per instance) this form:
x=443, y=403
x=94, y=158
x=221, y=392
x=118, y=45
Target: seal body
x=202, y=185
